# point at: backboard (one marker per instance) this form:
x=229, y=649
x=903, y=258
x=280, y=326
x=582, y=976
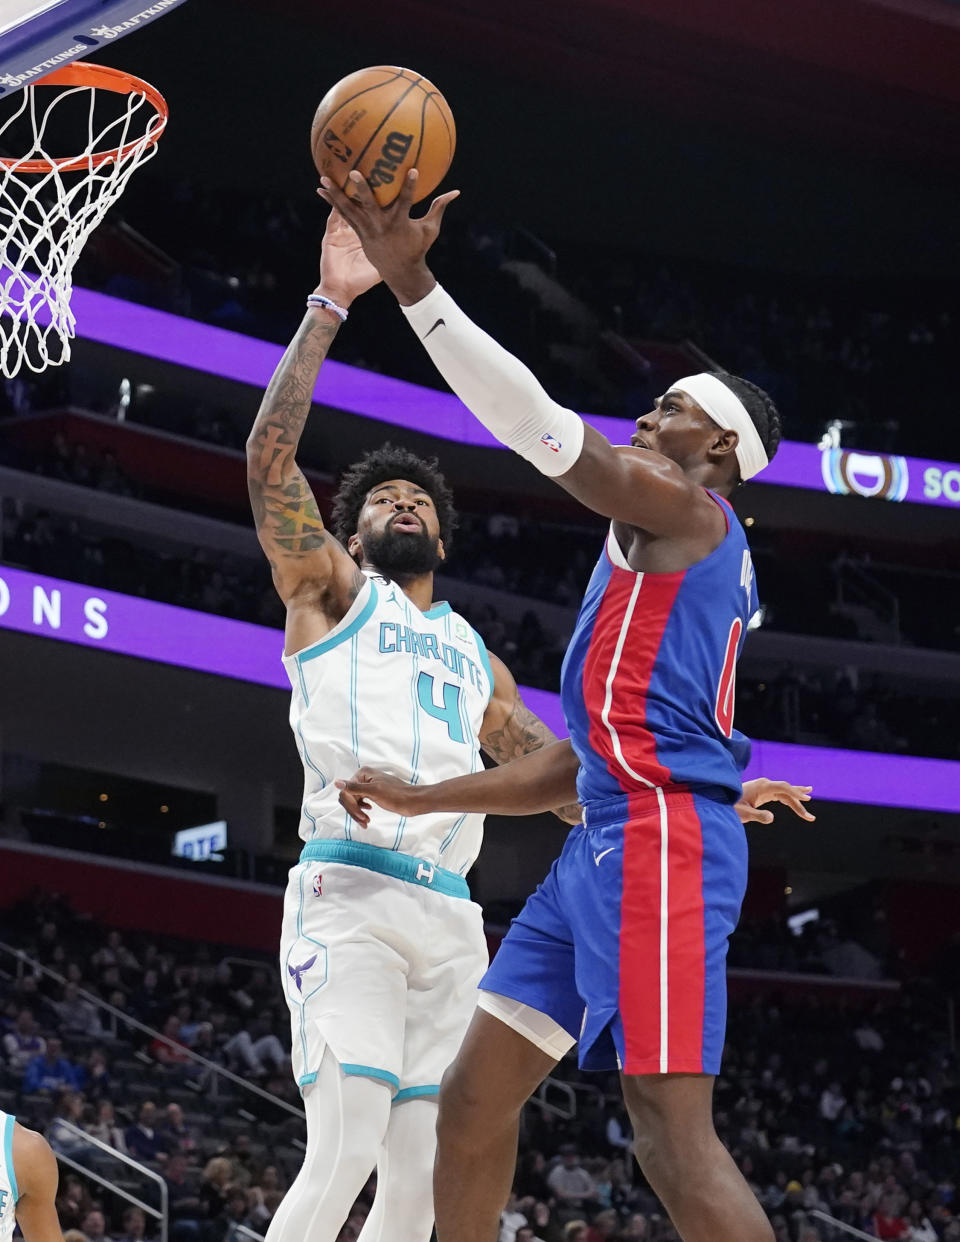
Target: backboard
x=38, y=36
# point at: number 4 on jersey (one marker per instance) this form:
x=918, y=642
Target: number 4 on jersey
x=449, y=711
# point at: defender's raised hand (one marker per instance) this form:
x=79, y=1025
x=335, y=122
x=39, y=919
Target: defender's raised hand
x=394, y=241
x=345, y=271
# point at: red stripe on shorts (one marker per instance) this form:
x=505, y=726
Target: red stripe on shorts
x=661, y=942
x=685, y=944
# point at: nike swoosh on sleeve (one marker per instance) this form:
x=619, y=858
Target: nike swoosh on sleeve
x=435, y=326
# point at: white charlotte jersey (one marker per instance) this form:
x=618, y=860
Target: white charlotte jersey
x=398, y=689
x=8, y=1181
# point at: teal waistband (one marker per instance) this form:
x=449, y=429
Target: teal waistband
x=387, y=862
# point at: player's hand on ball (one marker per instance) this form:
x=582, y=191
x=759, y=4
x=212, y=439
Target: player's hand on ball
x=394, y=242
x=345, y=271
x=370, y=785
x=759, y=792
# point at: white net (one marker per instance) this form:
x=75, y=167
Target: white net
x=48, y=212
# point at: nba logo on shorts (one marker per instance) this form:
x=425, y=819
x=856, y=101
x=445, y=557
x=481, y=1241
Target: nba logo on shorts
x=552, y=443
x=317, y=879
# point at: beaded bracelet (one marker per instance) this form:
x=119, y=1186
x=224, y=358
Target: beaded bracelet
x=317, y=299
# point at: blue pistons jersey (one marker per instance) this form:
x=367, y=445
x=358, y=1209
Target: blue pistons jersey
x=648, y=680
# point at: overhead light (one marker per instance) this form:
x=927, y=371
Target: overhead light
x=164, y=809
x=104, y=797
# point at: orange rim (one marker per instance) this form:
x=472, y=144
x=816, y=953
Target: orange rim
x=100, y=77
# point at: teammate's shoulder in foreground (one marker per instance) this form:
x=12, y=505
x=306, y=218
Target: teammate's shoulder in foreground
x=37, y=1177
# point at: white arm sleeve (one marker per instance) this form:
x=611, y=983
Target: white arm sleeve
x=503, y=394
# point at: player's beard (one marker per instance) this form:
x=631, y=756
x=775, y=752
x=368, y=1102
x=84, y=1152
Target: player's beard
x=402, y=554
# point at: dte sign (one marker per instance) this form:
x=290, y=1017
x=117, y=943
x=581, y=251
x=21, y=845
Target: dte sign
x=201, y=843
x=938, y=482
x=47, y=610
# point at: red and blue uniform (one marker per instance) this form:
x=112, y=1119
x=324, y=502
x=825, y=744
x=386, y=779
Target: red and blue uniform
x=625, y=942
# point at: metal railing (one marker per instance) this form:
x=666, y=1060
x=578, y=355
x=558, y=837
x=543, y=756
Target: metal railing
x=567, y=1111
x=840, y=1225
x=213, y=1072
x=244, y=1231
x=162, y=1214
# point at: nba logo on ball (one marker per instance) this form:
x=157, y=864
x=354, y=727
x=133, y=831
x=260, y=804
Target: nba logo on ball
x=552, y=443
x=317, y=880
x=337, y=146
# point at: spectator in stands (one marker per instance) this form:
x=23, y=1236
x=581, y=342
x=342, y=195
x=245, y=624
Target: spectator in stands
x=603, y=1227
x=575, y=1231
x=134, y=1226
x=115, y=953
x=69, y=1106
x=143, y=1141
x=171, y=1051
x=73, y=1201
x=251, y=1047
x=832, y=1102
x=176, y=1135
x=77, y=1016
x=265, y=1196
x=618, y=1133
x=52, y=1071
x=99, y=1079
x=104, y=1127
x=94, y=1226
x=886, y=1222
x=241, y=1161
x=150, y=999
x=921, y=1229
x=215, y=1187
x=23, y=1043
x=511, y=1218
x=571, y=1183
x=185, y=1206
x=235, y=1213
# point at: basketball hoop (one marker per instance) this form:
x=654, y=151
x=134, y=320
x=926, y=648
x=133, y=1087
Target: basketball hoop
x=49, y=205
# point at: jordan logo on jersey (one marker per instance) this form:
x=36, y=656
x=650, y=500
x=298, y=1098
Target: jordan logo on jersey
x=297, y=972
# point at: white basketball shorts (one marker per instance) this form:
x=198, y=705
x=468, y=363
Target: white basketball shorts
x=381, y=969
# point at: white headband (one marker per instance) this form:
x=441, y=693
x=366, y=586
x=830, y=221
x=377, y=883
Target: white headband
x=728, y=411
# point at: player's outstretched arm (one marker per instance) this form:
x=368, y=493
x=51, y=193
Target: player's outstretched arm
x=510, y=730
x=533, y=783
x=35, y=1167
x=631, y=485
x=307, y=563
x=757, y=793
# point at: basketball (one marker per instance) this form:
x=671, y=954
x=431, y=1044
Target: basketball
x=384, y=121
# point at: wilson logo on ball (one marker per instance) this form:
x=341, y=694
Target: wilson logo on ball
x=337, y=146
x=392, y=154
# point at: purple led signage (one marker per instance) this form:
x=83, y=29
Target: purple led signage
x=51, y=608
x=188, y=343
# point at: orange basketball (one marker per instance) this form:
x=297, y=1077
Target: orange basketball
x=384, y=121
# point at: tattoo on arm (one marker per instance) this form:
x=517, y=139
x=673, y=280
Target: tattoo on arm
x=284, y=509
x=522, y=733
